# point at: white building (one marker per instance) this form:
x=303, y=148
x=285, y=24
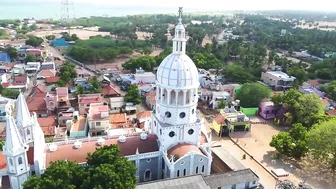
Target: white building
x=144, y=77
x=32, y=67
x=277, y=80
x=174, y=118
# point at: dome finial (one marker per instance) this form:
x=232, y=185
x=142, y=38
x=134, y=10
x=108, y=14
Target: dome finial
x=180, y=14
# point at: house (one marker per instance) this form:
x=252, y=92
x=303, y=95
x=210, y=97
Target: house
x=240, y=179
x=81, y=81
x=277, y=80
x=32, y=67
x=63, y=117
x=112, y=71
x=48, y=66
x=39, y=90
x=78, y=128
x=230, y=120
x=58, y=101
x=20, y=82
x=144, y=77
x=311, y=90
x=104, y=81
x=6, y=68
x=59, y=42
x=98, y=119
x=18, y=69
x=48, y=125
x=43, y=74
x=6, y=105
x=119, y=120
x=4, y=78
x=58, y=64
x=52, y=80
x=37, y=105
x=110, y=91
x=267, y=110
x=149, y=99
x=81, y=72
x=84, y=101
x=143, y=120
x=117, y=104
x=218, y=97
x=4, y=57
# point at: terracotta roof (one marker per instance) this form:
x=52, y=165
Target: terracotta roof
x=40, y=88
x=331, y=112
x=69, y=152
x=20, y=79
x=3, y=164
x=9, y=65
x=182, y=149
x=118, y=118
x=5, y=85
x=314, y=83
x=47, y=73
x=219, y=118
x=36, y=104
x=52, y=79
x=84, y=99
x=48, y=125
x=325, y=102
x=144, y=114
x=58, y=62
x=150, y=97
x=109, y=90
x=80, y=124
x=96, y=110
x=33, y=51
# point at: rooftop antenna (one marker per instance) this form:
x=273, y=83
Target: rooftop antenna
x=67, y=13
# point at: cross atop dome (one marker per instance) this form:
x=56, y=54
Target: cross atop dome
x=180, y=14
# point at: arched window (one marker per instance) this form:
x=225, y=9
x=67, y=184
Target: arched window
x=147, y=175
x=184, y=172
x=178, y=173
x=28, y=132
x=196, y=169
x=20, y=160
x=203, y=169
x=11, y=161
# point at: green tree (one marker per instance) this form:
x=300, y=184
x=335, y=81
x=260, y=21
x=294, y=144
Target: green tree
x=292, y=143
x=322, y=143
x=34, y=41
x=10, y=93
x=50, y=37
x=95, y=85
x=299, y=73
x=238, y=73
x=108, y=170
x=60, y=174
x=12, y=52
x=80, y=90
x=30, y=58
x=33, y=27
x=2, y=143
x=133, y=95
x=277, y=99
x=67, y=73
x=251, y=94
x=221, y=104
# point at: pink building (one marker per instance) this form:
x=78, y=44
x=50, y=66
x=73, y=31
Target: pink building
x=58, y=100
x=84, y=101
x=267, y=110
x=98, y=119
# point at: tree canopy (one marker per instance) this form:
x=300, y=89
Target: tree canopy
x=30, y=58
x=67, y=73
x=106, y=169
x=34, y=41
x=145, y=62
x=95, y=85
x=133, y=94
x=251, y=94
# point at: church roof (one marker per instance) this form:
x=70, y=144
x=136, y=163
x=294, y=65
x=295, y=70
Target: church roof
x=23, y=116
x=70, y=153
x=182, y=149
x=14, y=143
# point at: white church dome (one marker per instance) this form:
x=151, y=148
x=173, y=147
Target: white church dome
x=178, y=70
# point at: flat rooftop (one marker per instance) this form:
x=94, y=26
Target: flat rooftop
x=228, y=159
x=79, y=125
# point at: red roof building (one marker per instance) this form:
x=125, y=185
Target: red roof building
x=48, y=125
x=150, y=99
x=110, y=91
x=51, y=80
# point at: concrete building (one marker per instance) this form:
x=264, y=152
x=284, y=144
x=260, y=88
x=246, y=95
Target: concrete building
x=117, y=104
x=144, y=77
x=6, y=105
x=277, y=80
x=32, y=67
x=98, y=119
x=84, y=101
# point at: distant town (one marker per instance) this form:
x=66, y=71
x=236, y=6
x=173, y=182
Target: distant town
x=204, y=101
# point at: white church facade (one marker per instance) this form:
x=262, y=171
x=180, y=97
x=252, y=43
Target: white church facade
x=175, y=145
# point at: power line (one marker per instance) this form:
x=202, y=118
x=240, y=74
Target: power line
x=67, y=13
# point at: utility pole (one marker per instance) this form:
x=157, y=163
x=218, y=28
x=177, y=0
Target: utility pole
x=67, y=13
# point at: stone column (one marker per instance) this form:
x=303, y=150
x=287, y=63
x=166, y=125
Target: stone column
x=184, y=97
x=168, y=96
x=177, y=96
x=191, y=164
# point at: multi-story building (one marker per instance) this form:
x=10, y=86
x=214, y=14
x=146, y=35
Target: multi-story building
x=84, y=101
x=98, y=119
x=277, y=80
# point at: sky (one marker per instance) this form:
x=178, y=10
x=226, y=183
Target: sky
x=208, y=5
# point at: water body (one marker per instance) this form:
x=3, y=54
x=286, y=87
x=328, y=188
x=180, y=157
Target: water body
x=13, y=10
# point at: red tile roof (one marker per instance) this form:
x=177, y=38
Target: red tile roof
x=331, y=112
x=150, y=97
x=33, y=51
x=69, y=152
x=314, y=83
x=144, y=114
x=40, y=88
x=48, y=125
x=85, y=99
x=47, y=73
x=5, y=85
x=110, y=91
x=182, y=149
x=20, y=79
x=219, y=118
x=52, y=79
x=118, y=118
x=3, y=164
x=36, y=104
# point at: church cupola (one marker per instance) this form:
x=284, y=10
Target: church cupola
x=24, y=120
x=179, y=41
